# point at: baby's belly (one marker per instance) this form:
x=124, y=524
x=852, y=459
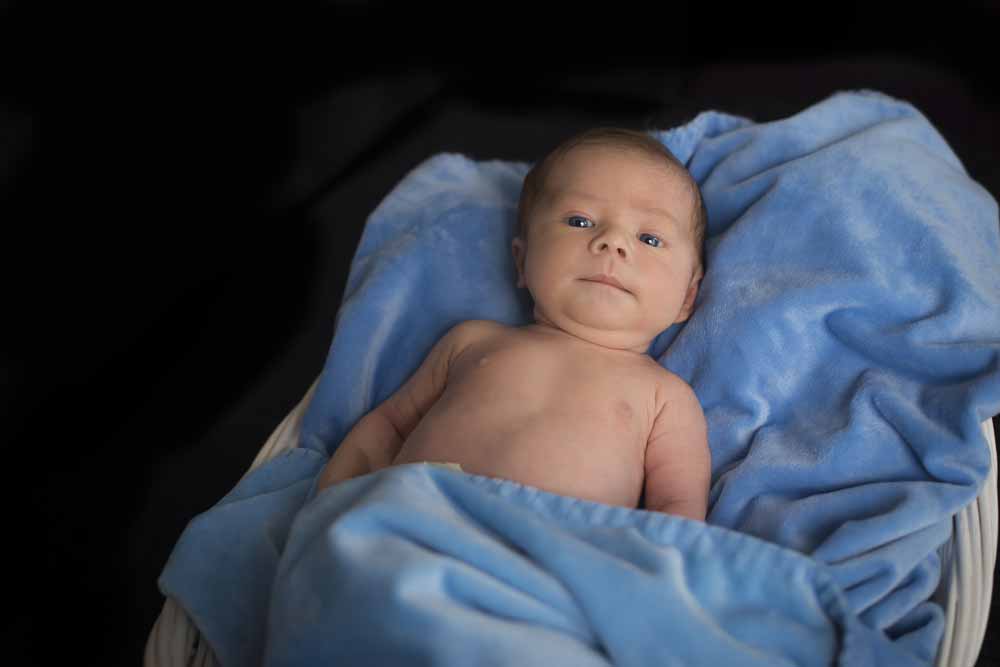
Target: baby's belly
x=565, y=454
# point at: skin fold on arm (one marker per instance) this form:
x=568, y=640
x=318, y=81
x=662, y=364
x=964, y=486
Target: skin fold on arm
x=376, y=439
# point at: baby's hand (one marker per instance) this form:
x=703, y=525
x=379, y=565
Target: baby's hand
x=353, y=458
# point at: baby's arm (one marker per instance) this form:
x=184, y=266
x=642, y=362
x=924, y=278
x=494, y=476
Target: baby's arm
x=376, y=439
x=678, y=462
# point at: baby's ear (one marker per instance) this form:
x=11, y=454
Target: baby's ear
x=690, y=295
x=517, y=247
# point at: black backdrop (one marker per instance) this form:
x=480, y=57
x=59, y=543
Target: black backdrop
x=183, y=190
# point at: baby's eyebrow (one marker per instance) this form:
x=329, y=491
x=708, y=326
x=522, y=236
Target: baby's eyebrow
x=651, y=210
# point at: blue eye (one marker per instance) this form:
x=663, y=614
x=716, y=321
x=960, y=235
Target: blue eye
x=574, y=219
x=656, y=243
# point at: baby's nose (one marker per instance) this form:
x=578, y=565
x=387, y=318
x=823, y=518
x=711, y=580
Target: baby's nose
x=610, y=245
x=620, y=249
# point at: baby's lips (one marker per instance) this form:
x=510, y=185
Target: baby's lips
x=607, y=280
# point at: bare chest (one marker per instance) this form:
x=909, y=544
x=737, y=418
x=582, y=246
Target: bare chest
x=550, y=416
x=523, y=383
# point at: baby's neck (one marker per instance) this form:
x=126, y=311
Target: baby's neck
x=546, y=328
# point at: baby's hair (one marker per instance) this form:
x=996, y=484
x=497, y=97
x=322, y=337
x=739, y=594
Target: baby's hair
x=534, y=182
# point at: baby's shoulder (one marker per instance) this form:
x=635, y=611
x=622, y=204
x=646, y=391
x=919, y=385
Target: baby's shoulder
x=670, y=387
x=468, y=332
x=477, y=328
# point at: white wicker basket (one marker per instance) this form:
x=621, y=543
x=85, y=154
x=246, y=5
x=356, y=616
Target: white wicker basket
x=965, y=590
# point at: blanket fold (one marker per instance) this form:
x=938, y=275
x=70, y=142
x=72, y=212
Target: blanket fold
x=419, y=565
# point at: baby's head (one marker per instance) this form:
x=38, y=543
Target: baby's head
x=617, y=203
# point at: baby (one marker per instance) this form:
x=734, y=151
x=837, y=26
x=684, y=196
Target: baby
x=609, y=244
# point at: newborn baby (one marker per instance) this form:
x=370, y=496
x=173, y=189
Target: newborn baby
x=609, y=244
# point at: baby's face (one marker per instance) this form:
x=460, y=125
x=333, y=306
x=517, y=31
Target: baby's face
x=613, y=212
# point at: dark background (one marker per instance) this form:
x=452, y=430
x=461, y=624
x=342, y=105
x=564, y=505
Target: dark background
x=183, y=189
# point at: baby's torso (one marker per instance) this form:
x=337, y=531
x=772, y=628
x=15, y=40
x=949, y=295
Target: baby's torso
x=531, y=408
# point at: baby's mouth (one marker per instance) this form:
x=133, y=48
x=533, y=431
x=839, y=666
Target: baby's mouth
x=607, y=280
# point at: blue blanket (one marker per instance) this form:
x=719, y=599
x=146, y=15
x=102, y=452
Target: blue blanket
x=844, y=348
